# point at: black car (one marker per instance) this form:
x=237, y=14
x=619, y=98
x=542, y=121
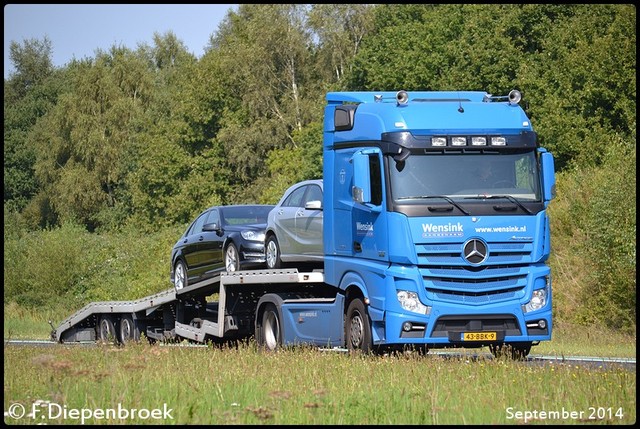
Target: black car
x=221, y=238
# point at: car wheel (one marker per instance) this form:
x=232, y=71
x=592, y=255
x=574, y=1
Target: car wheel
x=180, y=279
x=231, y=258
x=273, y=253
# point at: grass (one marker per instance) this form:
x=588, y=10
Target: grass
x=305, y=386
x=210, y=385
x=575, y=340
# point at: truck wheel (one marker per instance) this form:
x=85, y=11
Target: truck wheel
x=272, y=251
x=270, y=337
x=358, y=328
x=107, y=330
x=129, y=331
x=180, y=279
x=231, y=258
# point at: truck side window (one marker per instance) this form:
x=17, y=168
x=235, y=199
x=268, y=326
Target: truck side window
x=375, y=179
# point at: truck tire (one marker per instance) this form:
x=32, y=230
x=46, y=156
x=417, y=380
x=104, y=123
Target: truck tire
x=180, y=277
x=231, y=258
x=270, y=335
x=272, y=253
x=358, y=328
x=129, y=330
x=106, y=330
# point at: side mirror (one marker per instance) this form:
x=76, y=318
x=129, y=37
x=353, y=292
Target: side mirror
x=313, y=205
x=548, y=177
x=211, y=227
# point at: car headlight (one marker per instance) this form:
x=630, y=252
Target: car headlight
x=252, y=235
x=410, y=302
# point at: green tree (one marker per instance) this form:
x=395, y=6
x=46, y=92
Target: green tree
x=265, y=52
x=306, y=156
x=29, y=93
x=180, y=167
x=32, y=63
x=582, y=82
x=81, y=143
x=340, y=30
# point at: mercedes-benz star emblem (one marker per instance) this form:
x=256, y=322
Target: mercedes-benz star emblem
x=475, y=251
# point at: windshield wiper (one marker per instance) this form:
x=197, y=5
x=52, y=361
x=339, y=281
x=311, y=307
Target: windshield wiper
x=508, y=197
x=444, y=197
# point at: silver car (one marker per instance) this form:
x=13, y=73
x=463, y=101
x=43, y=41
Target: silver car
x=294, y=226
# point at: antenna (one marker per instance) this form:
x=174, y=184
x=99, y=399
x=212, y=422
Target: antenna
x=460, y=108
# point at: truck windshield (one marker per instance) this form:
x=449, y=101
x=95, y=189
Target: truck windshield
x=468, y=175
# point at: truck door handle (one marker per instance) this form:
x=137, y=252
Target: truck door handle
x=201, y=238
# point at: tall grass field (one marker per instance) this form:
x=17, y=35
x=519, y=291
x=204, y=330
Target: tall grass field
x=155, y=384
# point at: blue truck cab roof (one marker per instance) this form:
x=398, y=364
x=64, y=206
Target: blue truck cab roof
x=423, y=113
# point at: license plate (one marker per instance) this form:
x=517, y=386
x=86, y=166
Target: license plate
x=479, y=336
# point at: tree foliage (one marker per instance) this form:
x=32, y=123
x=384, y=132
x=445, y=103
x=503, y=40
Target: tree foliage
x=29, y=93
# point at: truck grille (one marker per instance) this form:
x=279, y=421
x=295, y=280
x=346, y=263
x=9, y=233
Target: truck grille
x=448, y=277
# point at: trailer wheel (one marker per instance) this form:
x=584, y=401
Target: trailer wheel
x=107, y=330
x=270, y=337
x=358, y=328
x=180, y=279
x=129, y=331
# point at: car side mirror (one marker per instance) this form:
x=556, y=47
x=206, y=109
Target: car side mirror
x=211, y=227
x=313, y=205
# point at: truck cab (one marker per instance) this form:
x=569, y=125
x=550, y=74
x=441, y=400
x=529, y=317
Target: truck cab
x=435, y=219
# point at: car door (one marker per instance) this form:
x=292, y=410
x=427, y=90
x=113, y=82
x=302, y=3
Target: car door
x=191, y=248
x=308, y=222
x=284, y=220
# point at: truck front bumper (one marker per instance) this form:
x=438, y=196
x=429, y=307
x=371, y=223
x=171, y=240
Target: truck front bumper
x=447, y=327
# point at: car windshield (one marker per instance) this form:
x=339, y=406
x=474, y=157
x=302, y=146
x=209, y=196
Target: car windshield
x=246, y=215
x=460, y=176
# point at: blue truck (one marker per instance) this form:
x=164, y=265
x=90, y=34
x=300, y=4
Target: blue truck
x=436, y=234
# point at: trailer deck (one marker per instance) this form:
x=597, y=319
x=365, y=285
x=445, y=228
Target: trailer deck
x=183, y=314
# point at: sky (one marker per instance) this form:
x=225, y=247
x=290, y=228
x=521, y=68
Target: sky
x=78, y=30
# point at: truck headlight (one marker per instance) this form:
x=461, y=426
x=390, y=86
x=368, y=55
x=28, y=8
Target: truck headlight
x=538, y=300
x=410, y=302
x=252, y=235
